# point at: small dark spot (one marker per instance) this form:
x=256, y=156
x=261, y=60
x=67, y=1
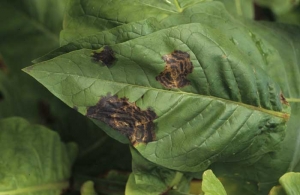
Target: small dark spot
x=104, y=55
x=283, y=100
x=1, y=96
x=178, y=66
x=45, y=112
x=75, y=108
x=142, y=97
x=125, y=117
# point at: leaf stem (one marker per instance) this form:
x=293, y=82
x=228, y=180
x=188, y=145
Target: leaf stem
x=292, y=100
x=178, y=6
x=176, y=179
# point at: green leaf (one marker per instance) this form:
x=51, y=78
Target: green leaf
x=211, y=185
x=33, y=159
x=31, y=29
x=277, y=190
x=291, y=183
x=88, y=188
x=112, y=183
x=272, y=166
x=291, y=17
x=115, y=35
x=248, y=114
x=29, y=24
x=234, y=186
x=244, y=8
x=148, y=178
x=83, y=17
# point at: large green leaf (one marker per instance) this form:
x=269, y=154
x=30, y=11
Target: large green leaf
x=33, y=159
x=239, y=105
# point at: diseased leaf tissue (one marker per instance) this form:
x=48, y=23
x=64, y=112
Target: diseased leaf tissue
x=105, y=55
x=125, y=117
x=178, y=66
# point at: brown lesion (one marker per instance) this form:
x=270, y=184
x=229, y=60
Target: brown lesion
x=178, y=66
x=104, y=55
x=125, y=117
x=283, y=100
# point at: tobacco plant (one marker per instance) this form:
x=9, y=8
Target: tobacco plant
x=163, y=97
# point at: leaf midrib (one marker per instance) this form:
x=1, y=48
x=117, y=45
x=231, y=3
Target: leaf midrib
x=283, y=115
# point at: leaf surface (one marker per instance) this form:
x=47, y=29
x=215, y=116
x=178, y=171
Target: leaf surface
x=291, y=183
x=33, y=159
x=272, y=166
x=235, y=98
x=211, y=184
x=115, y=35
x=148, y=178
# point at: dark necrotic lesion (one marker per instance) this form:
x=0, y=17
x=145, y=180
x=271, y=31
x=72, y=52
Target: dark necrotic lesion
x=125, y=117
x=105, y=55
x=178, y=66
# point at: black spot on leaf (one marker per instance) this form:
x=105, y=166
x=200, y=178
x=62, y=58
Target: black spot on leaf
x=104, y=55
x=125, y=117
x=283, y=100
x=178, y=66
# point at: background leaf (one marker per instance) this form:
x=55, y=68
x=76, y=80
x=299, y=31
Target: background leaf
x=148, y=178
x=211, y=184
x=240, y=8
x=88, y=188
x=115, y=35
x=31, y=29
x=291, y=183
x=33, y=159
